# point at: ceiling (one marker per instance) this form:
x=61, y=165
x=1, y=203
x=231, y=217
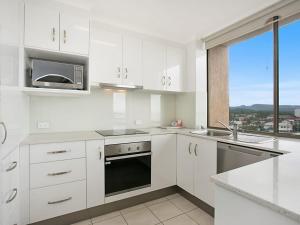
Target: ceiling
x=176, y=20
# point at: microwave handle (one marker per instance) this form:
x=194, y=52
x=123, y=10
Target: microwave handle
x=55, y=75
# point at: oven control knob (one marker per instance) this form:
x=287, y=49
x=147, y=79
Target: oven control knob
x=138, y=148
x=129, y=149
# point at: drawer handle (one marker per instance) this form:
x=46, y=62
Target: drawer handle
x=58, y=152
x=59, y=173
x=59, y=201
x=12, y=196
x=12, y=166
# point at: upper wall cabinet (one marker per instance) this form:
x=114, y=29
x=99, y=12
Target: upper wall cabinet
x=41, y=27
x=163, y=67
x=115, y=59
x=56, y=29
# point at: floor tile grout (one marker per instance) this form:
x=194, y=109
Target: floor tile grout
x=164, y=199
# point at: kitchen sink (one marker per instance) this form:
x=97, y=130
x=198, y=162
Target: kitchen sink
x=252, y=138
x=212, y=133
x=242, y=137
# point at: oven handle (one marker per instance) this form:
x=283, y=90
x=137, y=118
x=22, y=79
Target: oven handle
x=127, y=156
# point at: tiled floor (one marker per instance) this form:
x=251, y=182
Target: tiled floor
x=170, y=210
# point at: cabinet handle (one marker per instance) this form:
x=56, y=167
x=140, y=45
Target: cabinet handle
x=65, y=36
x=100, y=154
x=12, y=166
x=195, y=150
x=58, y=152
x=119, y=72
x=53, y=34
x=163, y=80
x=59, y=173
x=12, y=196
x=126, y=72
x=5, y=132
x=190, y=145
x=59, y=201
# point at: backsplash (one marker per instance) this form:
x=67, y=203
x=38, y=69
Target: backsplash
x=102, y=109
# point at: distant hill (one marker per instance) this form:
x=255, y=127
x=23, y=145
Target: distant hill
x=265, y=107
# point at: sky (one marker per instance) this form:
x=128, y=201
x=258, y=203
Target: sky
x=251, y=68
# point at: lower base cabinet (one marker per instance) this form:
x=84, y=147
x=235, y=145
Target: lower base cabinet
x=196, y=163
x=10, y=189
x=95, y=173
x=163, y=166
x=52, y=201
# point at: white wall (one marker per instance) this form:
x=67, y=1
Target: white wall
x=103, y=109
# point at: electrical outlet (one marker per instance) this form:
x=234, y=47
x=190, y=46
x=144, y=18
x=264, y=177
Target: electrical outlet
x=43, y=125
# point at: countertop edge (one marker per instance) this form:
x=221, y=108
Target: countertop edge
x=283, y=211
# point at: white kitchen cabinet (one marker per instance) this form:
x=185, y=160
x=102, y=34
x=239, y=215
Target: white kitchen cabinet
x=163, y=67
x=185, y=163
x=41, y=27
x=115, y=58
x=132, y=61
x=163, y=161
x=105, y=57
x=154, y=60
x=95, y=173
x=49, y=27
x=74, y=33
x=205, y=167
x=10, y=189
x=196, y=163
x=174, y=68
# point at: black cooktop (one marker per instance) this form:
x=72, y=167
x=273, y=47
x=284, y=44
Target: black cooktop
x=120, y=132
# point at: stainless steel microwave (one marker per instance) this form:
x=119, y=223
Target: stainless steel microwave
x=50, y=74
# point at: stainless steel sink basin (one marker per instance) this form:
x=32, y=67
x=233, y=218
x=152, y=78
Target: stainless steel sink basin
x=252, y=138
x=242, y=137
x=212, y=133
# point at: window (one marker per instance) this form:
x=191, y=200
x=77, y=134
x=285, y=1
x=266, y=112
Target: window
x=250, y=73
x=289, y=78
x=244, y=88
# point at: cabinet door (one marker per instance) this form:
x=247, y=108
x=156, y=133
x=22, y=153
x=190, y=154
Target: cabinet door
x=154, y=61
x=175, y=68
x=74, y=33
x=185, y=163
x=163, y=161
x=95, y=173
x=132, y=61
x=41, y=27
x=105, y=57
x=205, y=167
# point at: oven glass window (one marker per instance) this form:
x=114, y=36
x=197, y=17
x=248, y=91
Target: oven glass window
x=126, y=174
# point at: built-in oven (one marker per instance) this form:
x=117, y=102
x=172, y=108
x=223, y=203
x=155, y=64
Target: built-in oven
x=127, y=167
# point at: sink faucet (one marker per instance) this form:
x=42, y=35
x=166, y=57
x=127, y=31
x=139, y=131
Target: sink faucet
x=234, y=131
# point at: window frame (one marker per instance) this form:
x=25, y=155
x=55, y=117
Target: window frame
x=275, y=29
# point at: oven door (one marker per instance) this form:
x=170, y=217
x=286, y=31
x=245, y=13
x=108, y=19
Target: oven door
x=127, y=172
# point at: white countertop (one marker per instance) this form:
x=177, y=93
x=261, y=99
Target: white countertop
x=45, y=138
x=274, y=183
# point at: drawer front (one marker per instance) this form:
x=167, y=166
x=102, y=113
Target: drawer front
x=56, y=151
x=57, y=200
x=52, y=173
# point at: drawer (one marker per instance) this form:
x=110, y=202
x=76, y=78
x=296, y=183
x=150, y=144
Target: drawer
x=56, y=151
x=49, y=202
x=52, y=173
